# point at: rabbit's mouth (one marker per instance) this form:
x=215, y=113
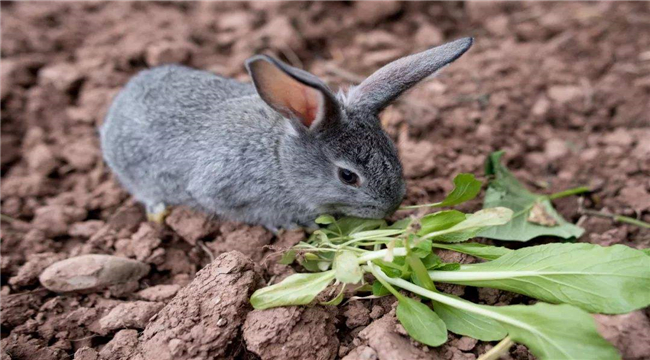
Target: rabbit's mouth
x=367, y=211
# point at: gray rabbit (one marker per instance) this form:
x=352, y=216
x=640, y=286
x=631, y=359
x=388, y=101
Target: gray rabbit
x=277, y=152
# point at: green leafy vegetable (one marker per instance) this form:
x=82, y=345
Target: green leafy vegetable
x=476, y=249
x=466, y=188
x=347, y=268
x=555, y=331
x=421, y=322
x=401, y=257
x=325, y=220
x=297, y=289
x=610, y=280
x=379, y=290
x=469, y=324
x=505, y=190
x=288, y=257
x=336, y=300
x=440, y=221
x=473, y=223
x=551, y=332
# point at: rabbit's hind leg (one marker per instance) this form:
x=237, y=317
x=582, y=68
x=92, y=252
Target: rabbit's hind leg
x=157, y=212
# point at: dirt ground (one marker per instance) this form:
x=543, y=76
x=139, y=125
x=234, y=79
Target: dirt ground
x=564, y=88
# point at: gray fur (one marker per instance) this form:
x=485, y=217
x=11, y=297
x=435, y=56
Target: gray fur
x=175, y=136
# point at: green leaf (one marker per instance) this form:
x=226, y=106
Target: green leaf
x=347, y=268
x=379, y=290
x=421, y=323
x=469, y=324
x=423, y=248
x=325, y=219
x=646, y=251
x=401, y=224
x=612, y=280
x=551, y=332
x=505, y=190
x=420, y=272
x=288, y=257
x=466, y=188
x=476, y=249
x=555, y=332
x=440, y=221
x=473, y=223
x=448, y=267
x=297, y=289
x=432, y=261
x=350, y=225
x=336, y=300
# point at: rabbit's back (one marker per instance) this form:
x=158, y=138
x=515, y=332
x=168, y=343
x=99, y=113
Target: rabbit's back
x=173, y=128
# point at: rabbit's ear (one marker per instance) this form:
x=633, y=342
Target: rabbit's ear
x=294, y=93
x=389, y=82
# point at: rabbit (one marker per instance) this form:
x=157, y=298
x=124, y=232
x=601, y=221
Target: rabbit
x=277, y=152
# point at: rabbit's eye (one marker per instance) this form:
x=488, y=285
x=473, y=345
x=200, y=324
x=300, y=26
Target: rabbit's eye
x=348, y=177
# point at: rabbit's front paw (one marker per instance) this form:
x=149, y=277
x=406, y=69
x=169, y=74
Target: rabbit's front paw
x=157, y=213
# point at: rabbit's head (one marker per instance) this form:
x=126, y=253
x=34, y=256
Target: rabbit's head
x=335, y=155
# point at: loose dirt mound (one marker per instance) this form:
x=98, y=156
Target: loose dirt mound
x=564, y=88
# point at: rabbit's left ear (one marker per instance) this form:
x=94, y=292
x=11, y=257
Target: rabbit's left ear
x=294, y=93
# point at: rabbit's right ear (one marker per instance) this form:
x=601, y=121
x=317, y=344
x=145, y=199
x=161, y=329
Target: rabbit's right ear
x=389, y=82
x=294, y=93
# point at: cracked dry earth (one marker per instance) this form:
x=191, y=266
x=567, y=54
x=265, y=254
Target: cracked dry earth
x=564, y=88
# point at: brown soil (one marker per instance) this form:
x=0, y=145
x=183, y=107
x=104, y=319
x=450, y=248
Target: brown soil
x=564, y=88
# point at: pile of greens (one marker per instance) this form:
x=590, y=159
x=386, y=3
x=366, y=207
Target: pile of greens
x=571, y=280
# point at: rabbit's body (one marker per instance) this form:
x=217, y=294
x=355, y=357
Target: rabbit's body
x=199, y=164
x=278, y=152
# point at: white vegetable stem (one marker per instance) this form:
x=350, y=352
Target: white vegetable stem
x=468, y=276
x=460, y=304
x=380, y=254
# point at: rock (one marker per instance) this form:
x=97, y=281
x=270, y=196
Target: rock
x=168, y=53
x=630, y=333
x=465, y=343
x=29, y=272
x=382, y=337
x=362, y=353
x=635, y=197
x=23, y=346
x=250, y=240
x=556, y=149
x=53, y=220
x=203, y=320
x=81, y=154
x=41, y=160
x=86, y=229
x=620, y=137
x=159, y=292
x=63, y=76
x=191, y=225
x=285, y=333
x=123, y=346
x=564, y=94
x=370, y=12
x=91, y=272
x=86, y=353
x=356, y=314
x=428, y=36
x=144, y=245
x=130, y=315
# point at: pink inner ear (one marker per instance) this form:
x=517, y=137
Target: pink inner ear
x=309, y=105
x=286, y=95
